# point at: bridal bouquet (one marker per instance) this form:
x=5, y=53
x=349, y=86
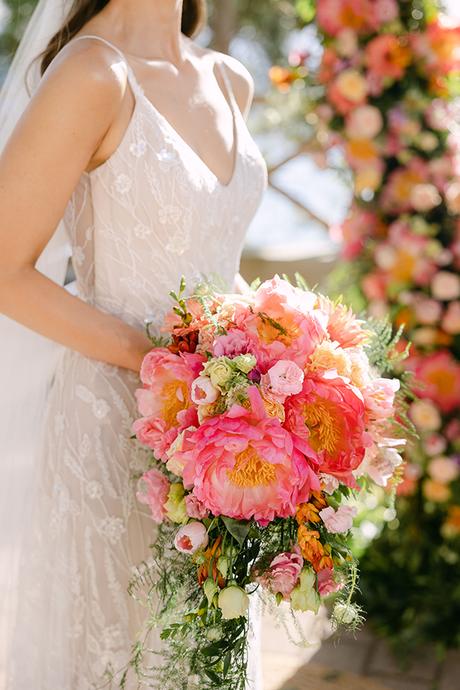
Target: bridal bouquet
x=265, y=414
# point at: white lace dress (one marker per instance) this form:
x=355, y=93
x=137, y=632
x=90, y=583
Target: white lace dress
x=150, y=214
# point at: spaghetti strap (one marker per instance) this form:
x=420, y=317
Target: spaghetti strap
x=103, y=40
x=136, y=87
x=228, y=87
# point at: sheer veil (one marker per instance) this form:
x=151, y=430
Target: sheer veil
x=27, y=360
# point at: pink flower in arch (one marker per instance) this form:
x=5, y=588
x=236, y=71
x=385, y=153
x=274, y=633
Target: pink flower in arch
x=244, y=465
x=329, y=414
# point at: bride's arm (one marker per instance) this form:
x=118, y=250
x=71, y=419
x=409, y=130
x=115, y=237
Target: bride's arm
x=54, y=142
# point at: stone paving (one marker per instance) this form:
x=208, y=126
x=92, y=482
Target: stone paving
x=287, y=666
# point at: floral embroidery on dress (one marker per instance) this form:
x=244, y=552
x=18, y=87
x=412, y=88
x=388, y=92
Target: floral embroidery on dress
x=153, y=213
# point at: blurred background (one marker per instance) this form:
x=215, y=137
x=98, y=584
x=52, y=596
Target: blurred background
x=309, y=192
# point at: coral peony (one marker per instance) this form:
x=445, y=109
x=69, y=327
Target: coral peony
x=329, y=414
x=244, y=464
x=167, y=379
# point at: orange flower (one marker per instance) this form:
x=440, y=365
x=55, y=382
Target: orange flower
x=281, y=77
x=313, y=550
x=211, y=556
x=307, y=512
x=451, y=527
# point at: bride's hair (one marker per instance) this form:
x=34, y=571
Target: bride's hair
x=193, y=18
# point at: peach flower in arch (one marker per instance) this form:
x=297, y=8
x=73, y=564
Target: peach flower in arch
x=334, y=16
x=437, y=377
x=388, y=56
x=329, y=414
x=244, y=465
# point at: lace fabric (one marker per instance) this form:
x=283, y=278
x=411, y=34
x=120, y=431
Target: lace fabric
x=153, y=212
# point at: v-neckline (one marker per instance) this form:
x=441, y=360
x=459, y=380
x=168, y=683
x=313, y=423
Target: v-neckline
x=229, y=97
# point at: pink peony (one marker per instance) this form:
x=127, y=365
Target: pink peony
x=285, y=324
x=330, y=415
x=437, y=377
x=283, y=573
x=244, y=465
x=338, y=521
x=191, y=537
x=153, y=433
x=195, y=509
x=153, y=489
x=282, y=379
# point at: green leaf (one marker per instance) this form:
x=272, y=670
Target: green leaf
x=238, y=529
x=306, y=10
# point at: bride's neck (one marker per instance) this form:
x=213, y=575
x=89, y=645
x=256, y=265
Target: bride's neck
x=147, y=28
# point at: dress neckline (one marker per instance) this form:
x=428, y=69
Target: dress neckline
x=138, y=92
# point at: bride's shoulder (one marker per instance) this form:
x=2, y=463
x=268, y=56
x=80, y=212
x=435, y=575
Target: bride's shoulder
x=241, y=80
x=89, y=68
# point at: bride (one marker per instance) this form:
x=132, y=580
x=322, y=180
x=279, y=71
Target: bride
x=134, y=142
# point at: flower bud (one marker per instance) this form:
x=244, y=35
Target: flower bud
x=233, y=602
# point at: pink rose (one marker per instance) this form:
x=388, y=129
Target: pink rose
x=153, y=489
x=283, y=379
x=195, y=508
x=283, y=573
x=203, y=392
x=338, y=521
x=435, y=444
x=153, y=433
x=326, y=582
x=191, y=537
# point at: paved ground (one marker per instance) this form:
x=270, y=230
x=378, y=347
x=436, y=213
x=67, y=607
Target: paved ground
x=327, y=666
